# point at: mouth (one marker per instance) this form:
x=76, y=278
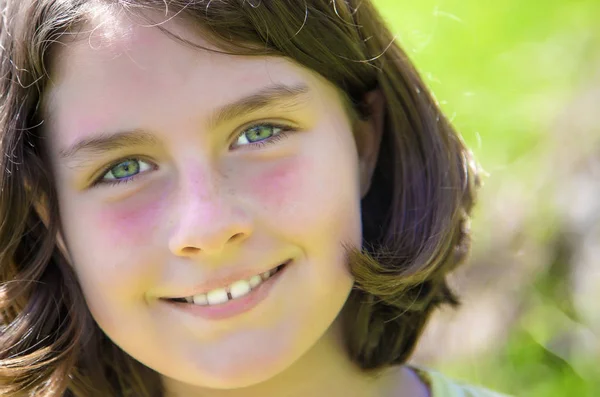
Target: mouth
x=232, y=292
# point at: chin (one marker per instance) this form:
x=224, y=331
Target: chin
x=258, y=373
x=234, y=372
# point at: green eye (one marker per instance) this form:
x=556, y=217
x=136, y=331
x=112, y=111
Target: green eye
x=255, y=136
x=126, y=169
x=258, y=133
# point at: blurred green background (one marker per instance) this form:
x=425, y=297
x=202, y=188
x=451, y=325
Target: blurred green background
x=521, y=82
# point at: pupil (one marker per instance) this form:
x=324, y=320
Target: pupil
x=258, y=130
x=126, y=169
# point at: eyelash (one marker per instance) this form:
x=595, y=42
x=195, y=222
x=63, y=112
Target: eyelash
x=257, y=145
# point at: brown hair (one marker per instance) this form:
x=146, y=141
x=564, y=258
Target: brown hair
x=415, y=214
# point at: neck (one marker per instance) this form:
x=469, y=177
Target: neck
x=325, y=370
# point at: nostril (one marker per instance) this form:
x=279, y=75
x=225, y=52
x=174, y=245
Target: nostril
x=190, y=250
x=193, y=245
x=237, y=236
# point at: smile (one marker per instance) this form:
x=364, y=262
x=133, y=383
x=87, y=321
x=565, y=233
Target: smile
x=233, y=291
x=230, y=301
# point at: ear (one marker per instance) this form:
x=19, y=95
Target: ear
x=41, y=208
x=368, y=137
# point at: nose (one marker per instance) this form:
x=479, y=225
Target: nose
x=207, y=221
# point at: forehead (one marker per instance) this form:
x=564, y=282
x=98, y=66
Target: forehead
x=117, y=64
x=130, y=50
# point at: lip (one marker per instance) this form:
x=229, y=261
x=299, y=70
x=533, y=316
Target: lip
x=233, y=307
x=223, y=282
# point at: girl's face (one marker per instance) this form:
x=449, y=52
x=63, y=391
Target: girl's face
x=164, y=191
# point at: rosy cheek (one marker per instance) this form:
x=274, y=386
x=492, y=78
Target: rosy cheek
x=130, y=224
x=279, y=184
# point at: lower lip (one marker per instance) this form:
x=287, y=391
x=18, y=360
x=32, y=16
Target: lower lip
x=233, y=307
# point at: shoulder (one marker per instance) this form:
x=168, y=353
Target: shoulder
x=442, y=386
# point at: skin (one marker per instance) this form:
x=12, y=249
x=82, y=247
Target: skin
x=203, y=206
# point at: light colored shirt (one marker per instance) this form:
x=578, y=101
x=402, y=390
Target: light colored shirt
x=442, y=386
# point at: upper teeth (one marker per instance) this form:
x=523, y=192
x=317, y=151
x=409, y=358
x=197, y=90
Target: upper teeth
x=236, y=289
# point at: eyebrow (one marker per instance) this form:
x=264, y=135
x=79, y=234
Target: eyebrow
x=261, y=100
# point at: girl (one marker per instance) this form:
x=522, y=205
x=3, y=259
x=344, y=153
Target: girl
x=221, y=198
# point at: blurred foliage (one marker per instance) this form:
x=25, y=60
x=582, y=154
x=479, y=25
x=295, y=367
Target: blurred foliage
x=497, y=68
x=510, y=75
